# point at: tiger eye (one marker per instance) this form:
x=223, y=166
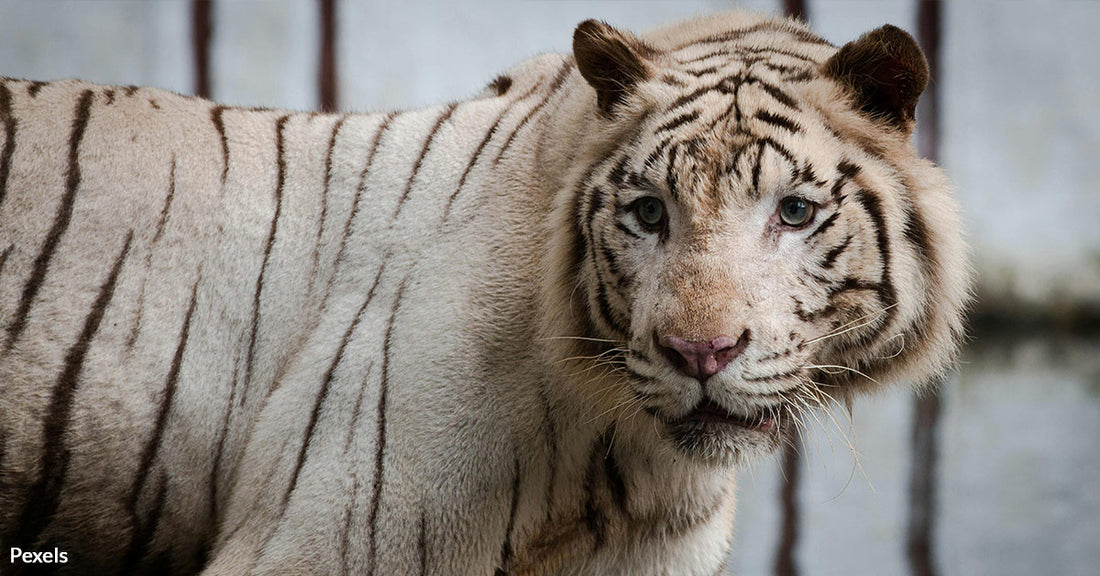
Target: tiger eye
x=795, y=211
x=650, y=211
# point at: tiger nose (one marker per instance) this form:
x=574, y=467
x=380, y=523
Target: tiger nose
x=701, y=360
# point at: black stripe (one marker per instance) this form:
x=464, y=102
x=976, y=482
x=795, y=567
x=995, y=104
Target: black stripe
x=142, y=533
x=422, y=544
x=779, y=149
x=873, y=206
x=671, y=180
x=324, y=200
x=615, y=481
x=770, y=26
x=676, y=122
x=778, y=121
x=110, y=94
x=44, y=495
x=855, y=285
x=319, y=401
x=345, y=542
x=358, y=408
x=779, y=95
x=825, y=225
x=779, y=376
x=481, y=146
x=280, y=182
x=149, y=453
x=847, y=171
x=672, y=80
x=754, y=191
x=34, y=87
x=551, y=453
x=10, y=125
x=4, y=257
x=60, y=222
x=690, y=97
x=215, y=469
x=764, y=53
x=594, y=518
x=167, y=201
x=136, y=329
x=219, y=124
x=915, y=231
x=626, y=230
x=380, y=443
x=420, y=158
x=506, y=552
x=607, y=313
x=707, y=56
x=375, y=144
x=558, y=80
x=833, y=253
x=141, y=537
x=703, y=71
x=131, y=90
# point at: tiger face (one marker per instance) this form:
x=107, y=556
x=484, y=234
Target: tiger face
x=758, y=236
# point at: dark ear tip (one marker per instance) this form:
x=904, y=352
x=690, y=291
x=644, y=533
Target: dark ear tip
x=610, y=60
x=886, y=70
x=589, y=29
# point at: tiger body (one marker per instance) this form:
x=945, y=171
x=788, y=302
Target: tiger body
x=244, y=341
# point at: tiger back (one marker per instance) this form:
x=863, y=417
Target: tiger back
x=529, y=333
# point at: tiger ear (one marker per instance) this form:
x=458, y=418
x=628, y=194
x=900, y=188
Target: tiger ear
x=886, y=71
x=612, y=61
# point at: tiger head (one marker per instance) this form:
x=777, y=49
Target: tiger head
x=750, y=230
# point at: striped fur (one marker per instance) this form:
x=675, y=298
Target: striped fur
x=238, y=341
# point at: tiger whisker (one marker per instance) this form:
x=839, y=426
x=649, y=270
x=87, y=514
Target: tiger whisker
x=585, y=339
x=845, y=328
x=837, y=369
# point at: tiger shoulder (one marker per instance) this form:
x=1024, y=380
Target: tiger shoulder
x=530, y=333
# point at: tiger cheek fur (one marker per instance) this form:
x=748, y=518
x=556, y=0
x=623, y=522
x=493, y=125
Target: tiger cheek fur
x=529, y=333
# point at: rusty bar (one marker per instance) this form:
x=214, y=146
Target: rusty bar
x=785, y=564
x=795, y=9
x=920, y=528
x=326, y=72
x=201, y=27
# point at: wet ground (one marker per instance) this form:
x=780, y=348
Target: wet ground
x=1014, y=473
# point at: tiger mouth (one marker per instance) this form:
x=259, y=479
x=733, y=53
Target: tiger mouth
x=709, y=412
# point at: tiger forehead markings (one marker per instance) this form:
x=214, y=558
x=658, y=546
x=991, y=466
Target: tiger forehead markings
x=529, y=333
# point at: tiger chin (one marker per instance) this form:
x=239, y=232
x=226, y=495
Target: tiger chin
x=530, y=333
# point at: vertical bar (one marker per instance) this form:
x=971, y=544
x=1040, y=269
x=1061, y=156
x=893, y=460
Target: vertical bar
x=326, y=72
x=795, y=9
x=201, y=25
x=929, y=19
x=920, y=530
x=785, y=564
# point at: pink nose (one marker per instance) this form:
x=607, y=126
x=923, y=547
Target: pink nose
x=701, y=360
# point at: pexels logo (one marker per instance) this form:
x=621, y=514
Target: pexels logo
x=54, y=557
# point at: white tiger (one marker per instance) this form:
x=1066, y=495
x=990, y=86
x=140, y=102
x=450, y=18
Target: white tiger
x=529, y=333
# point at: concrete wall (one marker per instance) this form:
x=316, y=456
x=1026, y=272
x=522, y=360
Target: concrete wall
x=1020, y=91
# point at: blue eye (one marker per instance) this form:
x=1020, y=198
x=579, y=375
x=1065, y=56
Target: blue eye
x=650, y=212
x=795, y=211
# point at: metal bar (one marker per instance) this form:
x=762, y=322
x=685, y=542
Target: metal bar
x=785, y=563
x=920, y=529
x=326, y=72
x=201, y=28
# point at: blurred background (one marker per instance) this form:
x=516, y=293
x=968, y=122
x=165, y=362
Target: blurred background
x=999, y=472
